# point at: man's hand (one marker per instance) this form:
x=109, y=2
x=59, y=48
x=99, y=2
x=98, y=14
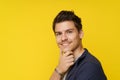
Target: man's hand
x=66, y=60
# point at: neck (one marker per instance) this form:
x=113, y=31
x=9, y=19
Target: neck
x=78, y=52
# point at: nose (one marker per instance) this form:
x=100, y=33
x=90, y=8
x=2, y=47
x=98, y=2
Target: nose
x=64, y=37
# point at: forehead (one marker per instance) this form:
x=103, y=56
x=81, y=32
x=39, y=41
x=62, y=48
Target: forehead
x=63, y=26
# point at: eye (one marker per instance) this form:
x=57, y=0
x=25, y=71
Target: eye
x=69, y=31
x=58, y=33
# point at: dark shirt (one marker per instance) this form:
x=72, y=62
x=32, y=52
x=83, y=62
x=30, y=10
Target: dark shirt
x=87, y=67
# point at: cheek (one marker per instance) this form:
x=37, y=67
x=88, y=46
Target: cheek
x=72, y=38
x=75, y=39
x=58, y=40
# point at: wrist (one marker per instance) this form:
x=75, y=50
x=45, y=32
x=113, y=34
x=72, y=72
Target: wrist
x=59, y=72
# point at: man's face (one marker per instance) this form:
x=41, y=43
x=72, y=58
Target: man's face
x=67, y=36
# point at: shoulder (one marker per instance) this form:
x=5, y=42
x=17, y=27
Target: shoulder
x=89, y=58
x=91, y=71
x=90, y=63
x=89, y=67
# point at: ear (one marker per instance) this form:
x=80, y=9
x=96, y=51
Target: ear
x=81, y=34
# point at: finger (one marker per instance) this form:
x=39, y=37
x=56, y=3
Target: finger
x=68, y=53
x=70, y=60
x=70, y=56
x=62, y=52
x=70, y=64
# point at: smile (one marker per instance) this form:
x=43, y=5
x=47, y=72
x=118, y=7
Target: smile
x=65, y=44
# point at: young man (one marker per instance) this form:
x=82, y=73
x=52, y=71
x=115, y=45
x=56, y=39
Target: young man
x=75, y=62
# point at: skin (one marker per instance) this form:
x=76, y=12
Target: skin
x=69, y=40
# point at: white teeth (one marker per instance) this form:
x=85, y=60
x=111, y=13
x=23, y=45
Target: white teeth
x=65, y=44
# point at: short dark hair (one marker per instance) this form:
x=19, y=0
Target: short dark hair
x=67, y=16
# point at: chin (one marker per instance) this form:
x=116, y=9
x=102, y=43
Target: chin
x=66, y=49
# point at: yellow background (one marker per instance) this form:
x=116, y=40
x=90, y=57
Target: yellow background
x=28, y=49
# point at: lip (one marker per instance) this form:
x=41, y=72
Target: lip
x=65, y=47
x=65, y=43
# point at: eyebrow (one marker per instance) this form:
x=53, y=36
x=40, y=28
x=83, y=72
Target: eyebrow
x=65, y=30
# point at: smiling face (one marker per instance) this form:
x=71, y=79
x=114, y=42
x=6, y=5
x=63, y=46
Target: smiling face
x=67, y=36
